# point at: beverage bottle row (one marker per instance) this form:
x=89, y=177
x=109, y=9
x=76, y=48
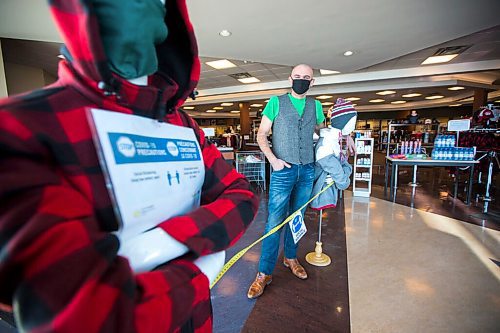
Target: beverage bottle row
x=455, y=154
x=445, y=141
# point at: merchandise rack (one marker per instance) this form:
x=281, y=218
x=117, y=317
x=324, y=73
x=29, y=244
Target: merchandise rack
x=363, y=165
x=252, y=164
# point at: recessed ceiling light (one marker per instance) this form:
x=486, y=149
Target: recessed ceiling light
x=456, y=88
x=218, y=108
x=188, y=107
x=352, y=99
x=451, y=105
x=235, y=111
x=211, y=111
x=249, y=80
x=328, y=72
x=398, y=102
x=439, y=59
x=412, y=95
x=378, y=100
x=60, y=56
x=434, y=97
x=324, y=97
x=266, y=100
x=348, y=53
x=327, y=103
x=225, y=33
x=227, y=104
x=220, y=64
x=386, y=92
x=256, y=105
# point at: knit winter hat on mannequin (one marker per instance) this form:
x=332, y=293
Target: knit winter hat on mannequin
x=341, y=113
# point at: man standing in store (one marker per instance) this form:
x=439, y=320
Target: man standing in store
x=293, y=118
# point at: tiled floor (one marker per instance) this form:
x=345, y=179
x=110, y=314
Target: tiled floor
x=414, y=271
x=408, y=271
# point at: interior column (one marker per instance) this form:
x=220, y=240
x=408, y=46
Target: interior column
x=480, y=99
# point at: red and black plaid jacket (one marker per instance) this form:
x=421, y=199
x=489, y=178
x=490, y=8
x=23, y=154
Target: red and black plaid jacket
x=59, y=267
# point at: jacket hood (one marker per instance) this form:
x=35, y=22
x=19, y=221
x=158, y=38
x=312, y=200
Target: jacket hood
x=177, y=55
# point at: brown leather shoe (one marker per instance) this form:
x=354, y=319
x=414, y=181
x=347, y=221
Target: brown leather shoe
x=295, y=267
x=258, y=285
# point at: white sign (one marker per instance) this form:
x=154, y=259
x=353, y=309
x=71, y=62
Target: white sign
x=154, y=171
x=297, y=226
x=209, y=131
x=459, y=125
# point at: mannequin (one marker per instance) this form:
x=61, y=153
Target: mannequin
x=65, y=233
x=331, y=164
x=155, y=247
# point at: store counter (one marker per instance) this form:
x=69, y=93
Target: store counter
x=227, y=152
x=395, y=163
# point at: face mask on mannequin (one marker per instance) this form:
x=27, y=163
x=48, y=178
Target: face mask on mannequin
x=350, y=126
x=301, y=86
x=130, y=30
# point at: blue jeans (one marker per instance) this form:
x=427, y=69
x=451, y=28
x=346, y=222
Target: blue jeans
x=290, y=188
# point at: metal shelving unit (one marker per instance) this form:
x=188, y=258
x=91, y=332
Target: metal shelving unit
x=363, y=165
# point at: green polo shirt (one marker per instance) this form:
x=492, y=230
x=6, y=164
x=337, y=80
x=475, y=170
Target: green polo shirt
x=272, y=108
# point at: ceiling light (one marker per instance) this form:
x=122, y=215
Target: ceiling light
x=352, y=99
x=328, y=72
x=235, y=111
x=386, y=92
x=434, y=97
x=60, y=56
x=412, y=95
x=249, y=80
x=188, y=107
x=211, y=111
x=378, y=100
x=225, y=33
x=451, y=105
x=398, y=102
x=497, y=101
x=354, y=104
x=256, y=105
x=456, y=88
x=218, y=108
x=324, y=97
x=439, y=59
x=348, y=53
x=227, y=104
x=327, y=103
x=220, y=64
x=266, y=100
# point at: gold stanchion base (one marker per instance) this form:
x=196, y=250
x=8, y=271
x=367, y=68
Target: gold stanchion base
x=318, y=258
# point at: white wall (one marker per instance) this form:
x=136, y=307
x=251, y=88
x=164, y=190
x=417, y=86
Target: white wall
x=3, y=82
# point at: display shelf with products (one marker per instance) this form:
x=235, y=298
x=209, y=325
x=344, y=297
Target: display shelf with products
x=398, y=133
x=363, y=162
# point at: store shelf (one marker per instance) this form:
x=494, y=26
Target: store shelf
x=364, y=151
x=362, y=179
x=362, y=193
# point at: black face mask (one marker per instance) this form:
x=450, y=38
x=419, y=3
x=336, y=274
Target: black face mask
x=301, y=86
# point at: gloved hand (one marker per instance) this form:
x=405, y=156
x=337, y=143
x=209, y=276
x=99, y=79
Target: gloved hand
x=151, y=249
x=211, y=264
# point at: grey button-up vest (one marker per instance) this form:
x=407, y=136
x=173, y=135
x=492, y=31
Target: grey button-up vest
x=292, y=134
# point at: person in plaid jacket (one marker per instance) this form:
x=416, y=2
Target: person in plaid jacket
x=59, y=267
